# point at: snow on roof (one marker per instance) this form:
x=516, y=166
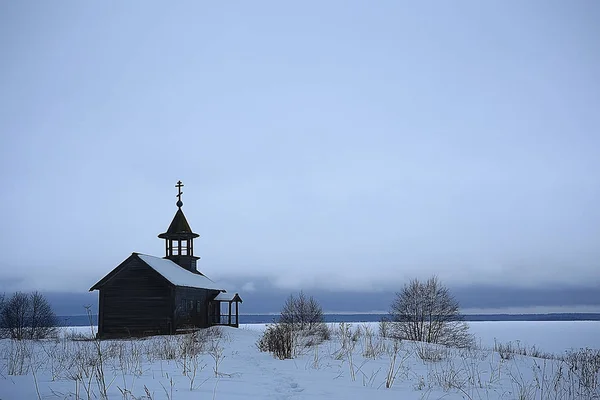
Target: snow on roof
x=177, y=275
x=227, y=296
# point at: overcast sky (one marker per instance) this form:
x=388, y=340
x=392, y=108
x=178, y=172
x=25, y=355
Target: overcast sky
x=343, y=145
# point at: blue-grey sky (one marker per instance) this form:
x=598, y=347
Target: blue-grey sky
x=345, y=145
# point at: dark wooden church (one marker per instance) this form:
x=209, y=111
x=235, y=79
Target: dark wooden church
x=146, y=295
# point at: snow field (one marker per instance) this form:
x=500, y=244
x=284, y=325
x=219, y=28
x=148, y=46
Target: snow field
x=226, y=364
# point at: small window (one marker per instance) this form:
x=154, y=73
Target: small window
x=184, y=247
x=198, y=305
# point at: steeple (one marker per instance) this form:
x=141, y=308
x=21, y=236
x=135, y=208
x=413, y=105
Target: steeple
x=179, y=238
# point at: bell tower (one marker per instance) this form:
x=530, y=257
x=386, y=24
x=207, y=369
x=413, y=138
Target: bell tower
x=179, y=238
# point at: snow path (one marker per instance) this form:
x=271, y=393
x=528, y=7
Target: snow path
x=277, y=380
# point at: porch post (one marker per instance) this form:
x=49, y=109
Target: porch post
x=237, y=315
x=229, y=319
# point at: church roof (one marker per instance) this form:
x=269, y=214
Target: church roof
x=171, y=272
x=179, y=228
x=177, y=275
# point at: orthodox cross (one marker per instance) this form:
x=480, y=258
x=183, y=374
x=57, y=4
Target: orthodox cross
x=179, y=193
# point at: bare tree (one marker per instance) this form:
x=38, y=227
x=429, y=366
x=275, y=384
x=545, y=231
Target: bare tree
x=14, y=315
x=303, y=313
x=2, y=328
x=427, y=312
x=43, y=321
x=28, y=316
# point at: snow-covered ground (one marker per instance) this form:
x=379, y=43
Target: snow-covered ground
x=170, y=368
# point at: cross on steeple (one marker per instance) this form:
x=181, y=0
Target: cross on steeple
x=179, y=186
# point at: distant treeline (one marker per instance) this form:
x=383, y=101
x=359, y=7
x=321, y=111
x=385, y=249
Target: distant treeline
x=534, y=317
x=83, y=320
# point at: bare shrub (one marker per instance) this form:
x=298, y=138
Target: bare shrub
x=372, y=346
x=76, y=335
x=427, y=312
x=344, y=333
x=348, y=339
x=505, y=350
x=277, y=339
x=215, y=350
x=474, y=353
x=211, y=332
x=59, y=355
x=471, y=369
x=462, y=374
x=509, y=349
x=432, y=353
x=196, y=367
x=191, y=344
x=448, y=377
x=19, y=355
x=396, y=364
x=184, y=347
x=82, y=368
x=128, y=355
x=585, y=365
x=537, y=353
x=316, y=361
x=385, y=327
x=575, y=378
x=163, y=348
x=301, y=324
x=523, y=388
x=357, y=334
x=99, y=373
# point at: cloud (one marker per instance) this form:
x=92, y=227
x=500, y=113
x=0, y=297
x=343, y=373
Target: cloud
x=11, y=283
x=342, y=175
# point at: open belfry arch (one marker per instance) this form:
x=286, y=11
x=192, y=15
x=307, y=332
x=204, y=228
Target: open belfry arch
x=150, y=295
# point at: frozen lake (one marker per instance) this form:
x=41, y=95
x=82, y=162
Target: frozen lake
x=548, y=336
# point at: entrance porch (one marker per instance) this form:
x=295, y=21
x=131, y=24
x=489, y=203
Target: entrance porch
x=221, y=310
